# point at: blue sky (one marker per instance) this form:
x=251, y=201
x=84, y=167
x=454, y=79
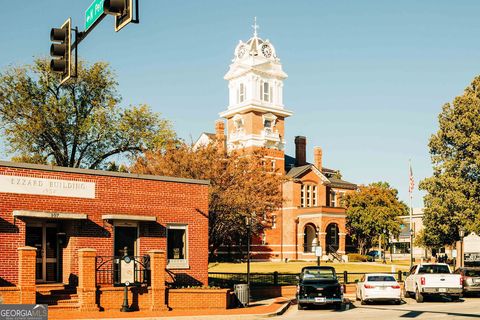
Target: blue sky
x=367, y=79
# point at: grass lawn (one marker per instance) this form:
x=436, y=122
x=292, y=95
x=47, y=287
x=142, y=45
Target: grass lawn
x=295, y=267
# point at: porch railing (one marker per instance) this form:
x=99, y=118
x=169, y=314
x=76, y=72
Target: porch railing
x=107, y=270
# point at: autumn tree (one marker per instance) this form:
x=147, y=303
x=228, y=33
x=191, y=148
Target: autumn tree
x=453, y=192
x=240, y=186
x=371, y=210
x=78, y=124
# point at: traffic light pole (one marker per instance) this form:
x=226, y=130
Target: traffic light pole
x=81, y=35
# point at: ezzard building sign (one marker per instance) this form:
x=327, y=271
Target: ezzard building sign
x=47, y=187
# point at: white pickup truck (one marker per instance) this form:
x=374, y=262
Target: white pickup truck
x=433, y=279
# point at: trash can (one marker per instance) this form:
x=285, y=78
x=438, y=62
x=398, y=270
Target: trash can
x=242, y=293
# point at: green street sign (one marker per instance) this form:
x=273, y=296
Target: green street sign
x=94, y=11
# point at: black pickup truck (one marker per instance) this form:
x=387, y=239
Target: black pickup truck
x=319, y=286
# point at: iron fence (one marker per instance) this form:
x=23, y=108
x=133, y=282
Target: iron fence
x=229, y=279
x=108, y=270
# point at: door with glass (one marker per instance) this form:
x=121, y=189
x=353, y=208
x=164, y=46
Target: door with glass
x=43, y=236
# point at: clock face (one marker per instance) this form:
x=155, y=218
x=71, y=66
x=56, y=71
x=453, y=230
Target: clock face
x=241, y=51
x=267, y=51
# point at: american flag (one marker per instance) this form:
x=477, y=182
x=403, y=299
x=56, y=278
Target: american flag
x=412, y=182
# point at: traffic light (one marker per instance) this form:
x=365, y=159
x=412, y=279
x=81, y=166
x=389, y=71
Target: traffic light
x=60, y=50
x=121, y=9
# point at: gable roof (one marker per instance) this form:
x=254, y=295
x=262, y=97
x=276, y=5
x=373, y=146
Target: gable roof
x=296, y=172
x=326, y=174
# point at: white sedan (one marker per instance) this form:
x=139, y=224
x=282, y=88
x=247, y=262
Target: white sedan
x=378, y=287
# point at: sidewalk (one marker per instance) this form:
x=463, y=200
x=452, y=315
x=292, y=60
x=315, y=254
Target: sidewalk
x=263, y=308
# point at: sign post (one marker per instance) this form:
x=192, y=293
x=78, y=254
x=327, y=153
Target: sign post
x=318, y=253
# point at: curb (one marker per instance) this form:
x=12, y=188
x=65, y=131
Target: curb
x=281, y=310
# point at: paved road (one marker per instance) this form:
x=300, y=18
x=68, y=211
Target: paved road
x=467, y=308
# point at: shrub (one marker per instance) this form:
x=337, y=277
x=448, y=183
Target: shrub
x=356, y=257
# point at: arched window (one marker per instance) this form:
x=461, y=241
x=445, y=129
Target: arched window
x=309, y=238
x=332, y=237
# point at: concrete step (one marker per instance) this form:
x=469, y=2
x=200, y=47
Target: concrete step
x=63, y=307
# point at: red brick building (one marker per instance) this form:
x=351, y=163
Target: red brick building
x=312, y=214
x=59, y=211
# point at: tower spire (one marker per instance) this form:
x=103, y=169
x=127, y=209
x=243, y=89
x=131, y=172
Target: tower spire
x=255, y=27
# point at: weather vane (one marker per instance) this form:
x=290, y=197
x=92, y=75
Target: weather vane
x=255, y=26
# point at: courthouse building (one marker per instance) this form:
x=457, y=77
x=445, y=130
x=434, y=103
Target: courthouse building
x=312, y=214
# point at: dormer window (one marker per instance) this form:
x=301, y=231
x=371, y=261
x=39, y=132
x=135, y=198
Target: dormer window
x=241, y=93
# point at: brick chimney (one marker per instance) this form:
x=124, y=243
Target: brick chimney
x=300, y=151
x=220, y=135
x=317, y=157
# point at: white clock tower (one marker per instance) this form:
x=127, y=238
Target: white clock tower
x=255, y=113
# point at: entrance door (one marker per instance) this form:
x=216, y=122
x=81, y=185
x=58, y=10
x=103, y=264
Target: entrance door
x=43, y=236
x=125, y=237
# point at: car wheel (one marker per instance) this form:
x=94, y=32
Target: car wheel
x=339, y=306
x=455, y=298
x=398, y=302
x=418, y=296
x=406, y=294
x=301, y=306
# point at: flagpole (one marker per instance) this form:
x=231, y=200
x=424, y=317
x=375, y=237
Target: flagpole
x=411, y=213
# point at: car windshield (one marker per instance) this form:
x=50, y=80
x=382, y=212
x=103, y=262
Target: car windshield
x=472, y=273
x=380, y=278
x=314, y=274
x=433, y=268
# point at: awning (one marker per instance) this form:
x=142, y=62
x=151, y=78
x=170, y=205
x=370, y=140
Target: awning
x=48, y=215
x=128, y=217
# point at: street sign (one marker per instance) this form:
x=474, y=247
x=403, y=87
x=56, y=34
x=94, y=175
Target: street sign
x=93, y=13
x=318, y=251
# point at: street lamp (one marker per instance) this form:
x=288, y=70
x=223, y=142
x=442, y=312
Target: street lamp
x=384, y=261
x=461, y=233
x=248, y=223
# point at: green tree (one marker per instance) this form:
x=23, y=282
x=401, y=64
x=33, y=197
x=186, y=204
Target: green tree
x=78, y=124
x=371, y=210
x=453, y=191
x=239, y=186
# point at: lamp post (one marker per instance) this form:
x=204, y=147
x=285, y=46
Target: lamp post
x=411, y=246
x=391, y=238
x=318, y=248
x=461, y=233
x=248, y=223
x=384, y=261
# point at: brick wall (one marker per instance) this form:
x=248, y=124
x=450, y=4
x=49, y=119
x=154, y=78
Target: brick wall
x=169, y=201
x=178, y=299
x=199, y=298
x=9, y=295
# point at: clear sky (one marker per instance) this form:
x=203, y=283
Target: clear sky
x=367, y=79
